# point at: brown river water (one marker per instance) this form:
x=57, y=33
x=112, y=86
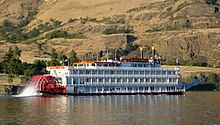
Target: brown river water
x=192, y=108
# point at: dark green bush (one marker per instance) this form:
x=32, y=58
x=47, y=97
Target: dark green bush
x=57, y=34
x=115, y=31
x=198, y=61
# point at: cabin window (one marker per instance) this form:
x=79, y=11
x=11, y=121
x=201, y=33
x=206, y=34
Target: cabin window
x=141, y=72
x=146, y=88
x=100, y=79
x=99, y=89
x=163, y=79
x=94, y=80
x=118, y=79
x=153, y=72
x=136, y=72
x=75, y=81
x=151, y=88
x=112, y=79
x=164, y=72
x=119, y=72
x=118, y=89
x=130, y=80
x=130, y=88
x=81, y=72
x=124, y=80
x=106, y=80
x=147, y=80
x=94, y=71
x=130, y=72
x=93, y=64
x=169, y=72
x=158, y=80
x=100, y=72
x=86, y=80
x=89, y=80
x=148, y=72
x=125, y=72
x=142, y=80
x=135, y=80
x=81, y=80
x=152, y=80
x=158, y=72
x=140, y=88
x=88, y=72
x=107, y=72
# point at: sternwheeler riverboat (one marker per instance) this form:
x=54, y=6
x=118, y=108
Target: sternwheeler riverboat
x=124, y=76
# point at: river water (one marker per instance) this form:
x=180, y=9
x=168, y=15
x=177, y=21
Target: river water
x=192, y=108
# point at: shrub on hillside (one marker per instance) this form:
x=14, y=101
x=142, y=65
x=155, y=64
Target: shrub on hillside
x=57, y=34
x=198, y=61
x=115, y=31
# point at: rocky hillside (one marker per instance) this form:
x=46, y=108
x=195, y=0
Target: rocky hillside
x=185, y=29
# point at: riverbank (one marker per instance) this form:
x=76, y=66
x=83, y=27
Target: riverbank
x=11, y=89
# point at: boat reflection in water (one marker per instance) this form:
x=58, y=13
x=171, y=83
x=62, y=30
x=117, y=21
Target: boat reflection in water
x=192, y=108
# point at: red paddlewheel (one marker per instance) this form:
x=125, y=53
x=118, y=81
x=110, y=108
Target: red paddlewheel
x=46, y=84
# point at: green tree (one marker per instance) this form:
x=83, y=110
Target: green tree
x=54, y=58
x=213, y=78
x=8, y=55
x=16, y=52
x=73, y=57
x=11, y=63
x=33, y=33
x=7, y=25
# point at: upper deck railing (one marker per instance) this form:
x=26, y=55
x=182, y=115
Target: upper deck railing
x=124, y=68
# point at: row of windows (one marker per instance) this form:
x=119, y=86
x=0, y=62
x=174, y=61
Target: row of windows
x=136, y=88
x=142, y=72
x=112, y=80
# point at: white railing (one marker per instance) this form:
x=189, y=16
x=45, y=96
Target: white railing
x=126, y=68
x=125, y=76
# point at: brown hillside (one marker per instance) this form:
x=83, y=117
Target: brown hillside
x=184, y=29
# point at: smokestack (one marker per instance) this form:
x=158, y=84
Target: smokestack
x=142, y=53
x=153, y=55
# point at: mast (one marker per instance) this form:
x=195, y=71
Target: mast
x=153, y=56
